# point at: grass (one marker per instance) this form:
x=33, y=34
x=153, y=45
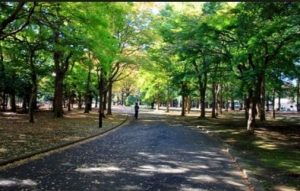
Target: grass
x=272, y=152
x=19, y=137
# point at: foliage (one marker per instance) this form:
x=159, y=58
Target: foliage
x=181, y=49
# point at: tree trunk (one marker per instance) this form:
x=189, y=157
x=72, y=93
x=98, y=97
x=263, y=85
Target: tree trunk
x=220, y=100
x=202, y=102
x=273, y=103
x=267, y=102
x=202, y=82
x=189, y=104
x=64, y=102
x=104, y=100
x=221, y=104
x=251, y=118
x=298, y=95
x=251, y=115
x=109, y=100
x=186, y=104
x=279, y=101
x=247, y=105
x=31, y=103
x=183, y=105
x=157, y=103
x=261, y=97
x=33, y=89
x=96, y=101
x=3, y=97
x=168, y=105
x=13, y=101
x=12, y=94
x=69, y=104
x=168, y=100
x=2, y=79
x=61, y=65
x=152, y=105
x=24, y=103
x=87, y=98
x=100, y=100
x=226, y=106
x=58, y=94
x=58, y=87
x=79, y=101
x=213, y=92
x=232, y=104
x=122, y=98
x=183, y=96
x=6, y=102
x=69, y=100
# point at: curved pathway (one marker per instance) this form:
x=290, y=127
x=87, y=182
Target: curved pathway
x=150, y=153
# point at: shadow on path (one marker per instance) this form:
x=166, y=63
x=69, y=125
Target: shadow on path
x=147, y=154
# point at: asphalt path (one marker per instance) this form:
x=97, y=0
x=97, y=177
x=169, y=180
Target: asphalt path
x=151, y=153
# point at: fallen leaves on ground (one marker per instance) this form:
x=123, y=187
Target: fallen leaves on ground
x=19, y=137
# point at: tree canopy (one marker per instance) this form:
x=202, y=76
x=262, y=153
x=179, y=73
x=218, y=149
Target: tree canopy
x=203, y=54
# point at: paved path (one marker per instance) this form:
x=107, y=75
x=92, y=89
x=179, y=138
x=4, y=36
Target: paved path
x=147, y=154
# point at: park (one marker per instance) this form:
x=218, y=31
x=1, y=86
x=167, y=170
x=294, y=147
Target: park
x=149, y=96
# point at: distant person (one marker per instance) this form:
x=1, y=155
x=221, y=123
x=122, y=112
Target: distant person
x=136, y=110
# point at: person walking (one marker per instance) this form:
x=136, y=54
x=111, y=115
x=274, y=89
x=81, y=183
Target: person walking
x=136, y=110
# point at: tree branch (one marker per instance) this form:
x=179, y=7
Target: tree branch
x=13, y=17
x=66, y=63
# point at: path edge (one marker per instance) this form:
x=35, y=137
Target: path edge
x=248, y=174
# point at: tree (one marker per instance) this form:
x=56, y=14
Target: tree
x=132, y=31
x=66, y=44
x=14, y=17
x=262, y=36
x=94, y=19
